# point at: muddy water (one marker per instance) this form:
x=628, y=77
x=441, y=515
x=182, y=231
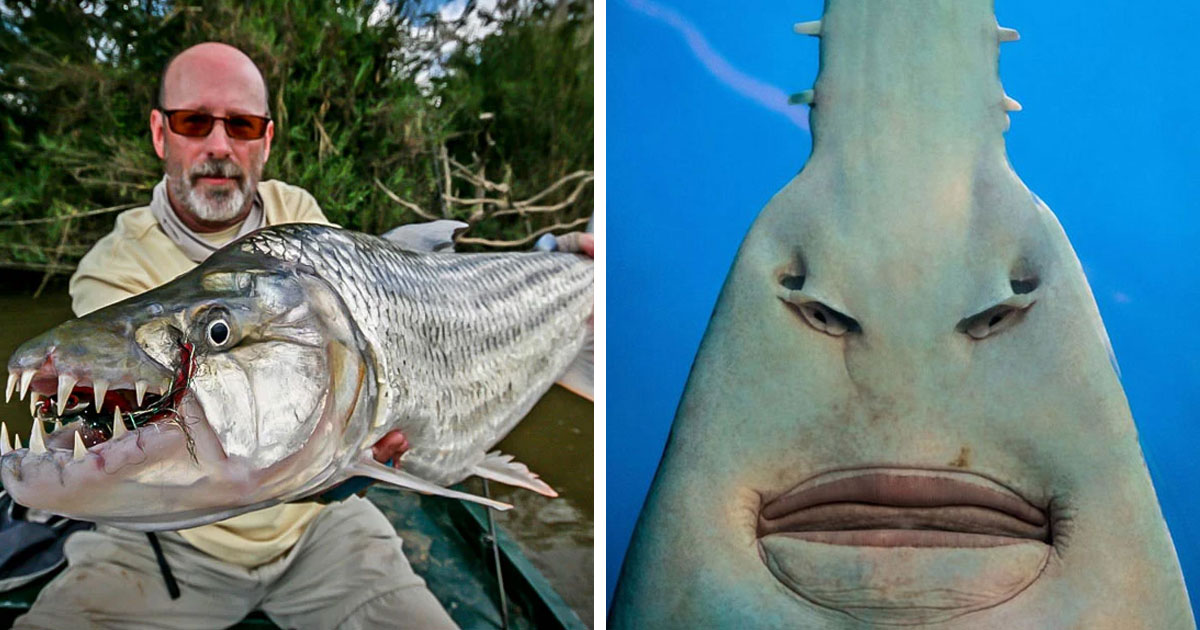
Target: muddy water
x=555, y=441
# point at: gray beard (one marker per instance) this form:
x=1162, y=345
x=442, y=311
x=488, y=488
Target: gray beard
x=216, y=207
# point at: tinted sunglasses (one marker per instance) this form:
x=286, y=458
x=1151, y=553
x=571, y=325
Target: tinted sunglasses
x=194, y=124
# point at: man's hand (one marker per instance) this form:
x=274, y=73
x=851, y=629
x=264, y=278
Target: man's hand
x=578, y=243
x=390, y=447
x=387, y=450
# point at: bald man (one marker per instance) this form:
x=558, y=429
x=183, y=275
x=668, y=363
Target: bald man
x=305, y=565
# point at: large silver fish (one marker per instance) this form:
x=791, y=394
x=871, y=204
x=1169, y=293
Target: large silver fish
x=267, y=373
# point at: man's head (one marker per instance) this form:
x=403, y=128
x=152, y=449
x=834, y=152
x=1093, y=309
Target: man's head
x=211, y=179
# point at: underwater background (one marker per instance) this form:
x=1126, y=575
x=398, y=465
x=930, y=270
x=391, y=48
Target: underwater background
x=699, y=137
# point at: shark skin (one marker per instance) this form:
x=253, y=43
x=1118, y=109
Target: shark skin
x=903, y=411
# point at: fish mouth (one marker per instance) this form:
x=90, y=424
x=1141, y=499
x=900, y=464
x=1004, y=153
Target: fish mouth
x=903, y=546
x=904, y=509
x=99, y=405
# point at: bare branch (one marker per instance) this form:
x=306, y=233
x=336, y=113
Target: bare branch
x=324, y=145
x=407, y=204
x=555, y=186
x=76, y=250
x=68, y=217
x=477, y=201
x=448, y=190
x=481, y=205
x=32, y=266
x=466, y=240
x=478, y=180
x=58, y=253
x=572, y=198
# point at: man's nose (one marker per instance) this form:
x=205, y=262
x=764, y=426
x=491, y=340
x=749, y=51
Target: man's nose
x=217, y=143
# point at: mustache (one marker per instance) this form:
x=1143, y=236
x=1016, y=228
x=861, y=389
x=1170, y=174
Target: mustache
x=216, y=168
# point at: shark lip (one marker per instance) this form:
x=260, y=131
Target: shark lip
x=904, y=508
x=901, y=545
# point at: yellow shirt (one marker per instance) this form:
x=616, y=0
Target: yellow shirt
x=136, y=257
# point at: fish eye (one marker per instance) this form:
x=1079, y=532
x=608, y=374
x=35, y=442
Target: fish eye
x=218, y=332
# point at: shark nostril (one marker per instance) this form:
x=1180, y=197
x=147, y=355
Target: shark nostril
x=1021, y=286
x=792, y=282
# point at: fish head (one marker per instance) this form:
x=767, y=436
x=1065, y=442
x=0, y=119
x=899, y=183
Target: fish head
x=236, y=385
x=904, y=410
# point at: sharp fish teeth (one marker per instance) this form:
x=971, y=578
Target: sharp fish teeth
x=37, y=439
x=33, y=403
x=57, y=424
x=26, y=379
x=166, y=386
x=17, y=443
x=80, y=449
x=140, y=387
x=118, y=424
x=5, y=445
x=10, y=387
x=99, y=389
x=66, y=384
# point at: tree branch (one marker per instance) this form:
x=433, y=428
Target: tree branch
x=590, y=175
x=58, y=253
x=68, y=217
x=407, y=204
x=524, y=241
x=572, y=198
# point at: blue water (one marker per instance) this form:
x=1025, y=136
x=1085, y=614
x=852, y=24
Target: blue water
x=1109, y=138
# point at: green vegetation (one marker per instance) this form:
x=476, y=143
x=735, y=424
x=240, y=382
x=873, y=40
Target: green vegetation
x=386, y=116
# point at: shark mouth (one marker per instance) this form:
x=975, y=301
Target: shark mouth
x=88, y=409
x=904, y=508
x=902, y=545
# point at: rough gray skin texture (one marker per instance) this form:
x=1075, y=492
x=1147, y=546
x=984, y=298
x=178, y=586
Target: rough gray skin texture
x=904, y=304
x=335, y=339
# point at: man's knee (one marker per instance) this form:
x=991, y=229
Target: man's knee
x=404, y=608
x=81, y=597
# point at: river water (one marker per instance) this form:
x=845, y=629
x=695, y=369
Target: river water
x=555, y=441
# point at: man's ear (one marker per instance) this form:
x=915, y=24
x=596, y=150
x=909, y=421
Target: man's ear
x=268, y=137
x=156, y=133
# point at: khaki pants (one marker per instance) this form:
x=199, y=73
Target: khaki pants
x=346, y=571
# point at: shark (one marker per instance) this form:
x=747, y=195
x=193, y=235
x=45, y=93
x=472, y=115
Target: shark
x=904, y=410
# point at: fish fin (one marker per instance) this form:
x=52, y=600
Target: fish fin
x=579, y=378
x=368, y=467
x=433, y=236
x=500, y=467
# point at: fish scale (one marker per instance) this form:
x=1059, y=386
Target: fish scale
x=447, y=314
x=331, y=340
